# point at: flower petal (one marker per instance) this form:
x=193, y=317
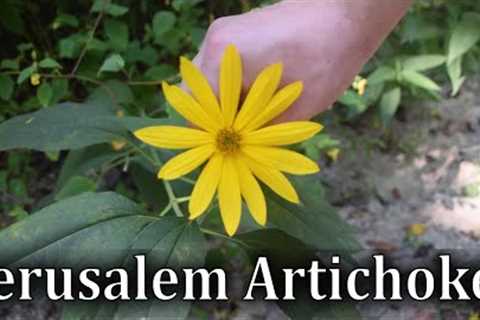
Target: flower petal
x=281, y=159
x=186, y=162
x=200, y=88
x=230, y=83
x=206, y=186
x=252, y=192
x=280, y=102
x=283, y=134
x=259, y=95
x=189, y=108
x=274, y=179
x=229, y=197
x=171, y=137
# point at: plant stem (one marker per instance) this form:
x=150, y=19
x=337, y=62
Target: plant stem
x=90, y=37
x=166, y=209
x=173, y=199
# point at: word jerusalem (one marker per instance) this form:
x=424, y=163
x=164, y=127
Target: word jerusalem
x=378, y=283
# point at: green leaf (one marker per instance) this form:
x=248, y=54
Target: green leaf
x=112, y=9
x=314, y=221
x=45, y=94
x=122, y=92
x=49, y=63
x=64, y=19
x=160, y=72
x=356, y=103
x=424, y=62
x=419, y=80
x=70, y=47
x=281, y=250
x=113, y=63
x=152, y=191
x=75, y=186
x=18, y=188
x=389, y=104
x=82, y=161
x=18, y=213
x=117, y=33
x=418, y=28
x=381, y=74
x=454, y=70
x=25, y=74
x=60, y=90
x=10, y=64
x=464, y=36
x=68, y=126
x=163, y=21
x=180, y=5
x=11, y=17
x=123, y=230
x=6, y=87
x=65, y=126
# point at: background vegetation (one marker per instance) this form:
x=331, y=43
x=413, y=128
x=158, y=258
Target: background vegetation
x=116, y=53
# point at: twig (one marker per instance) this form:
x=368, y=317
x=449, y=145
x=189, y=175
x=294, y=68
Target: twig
x=90, y=37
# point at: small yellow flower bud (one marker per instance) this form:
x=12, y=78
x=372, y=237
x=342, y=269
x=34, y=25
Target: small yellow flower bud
x=416, y=229
x=118, y=145
x=333, y=154
x=35, y=79
x=362, y=86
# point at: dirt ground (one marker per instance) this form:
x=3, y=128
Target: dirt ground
x=418, y=197
x=418, y=193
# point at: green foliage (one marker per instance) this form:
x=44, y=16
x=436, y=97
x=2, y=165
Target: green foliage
x=432, y=43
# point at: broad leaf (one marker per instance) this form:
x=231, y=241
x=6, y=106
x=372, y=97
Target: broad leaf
x=454, y=70
x=419, y=80
x=6, y=87
x=80, y=162
x=424, y=62
x=49, y=63
x=75, y=186
x=68, y=234
x=356, y=104
x=389, y=104
x=465, y=36
x=113, y=63
x=117, y=33
x=67, y=126
x=381, y=75
x=314, y=221
x=163, y=21
x=44, y=94
x=282, y=250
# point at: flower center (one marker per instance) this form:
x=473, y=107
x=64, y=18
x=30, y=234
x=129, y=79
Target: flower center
x=228, y=141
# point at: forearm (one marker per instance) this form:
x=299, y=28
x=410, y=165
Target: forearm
x=343, y=35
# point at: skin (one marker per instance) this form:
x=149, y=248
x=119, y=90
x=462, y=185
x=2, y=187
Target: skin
x=323, y=43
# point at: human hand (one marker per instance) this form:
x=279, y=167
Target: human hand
x=322, y=43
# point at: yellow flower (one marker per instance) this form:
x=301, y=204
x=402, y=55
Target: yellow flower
x=333, y=154
x=233, y=141
x=35, y=79
x=416, y=229
x=118, y=145
x=360, y=84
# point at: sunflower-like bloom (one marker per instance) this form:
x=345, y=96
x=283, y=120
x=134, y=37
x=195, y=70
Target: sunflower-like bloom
x=233, y=141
